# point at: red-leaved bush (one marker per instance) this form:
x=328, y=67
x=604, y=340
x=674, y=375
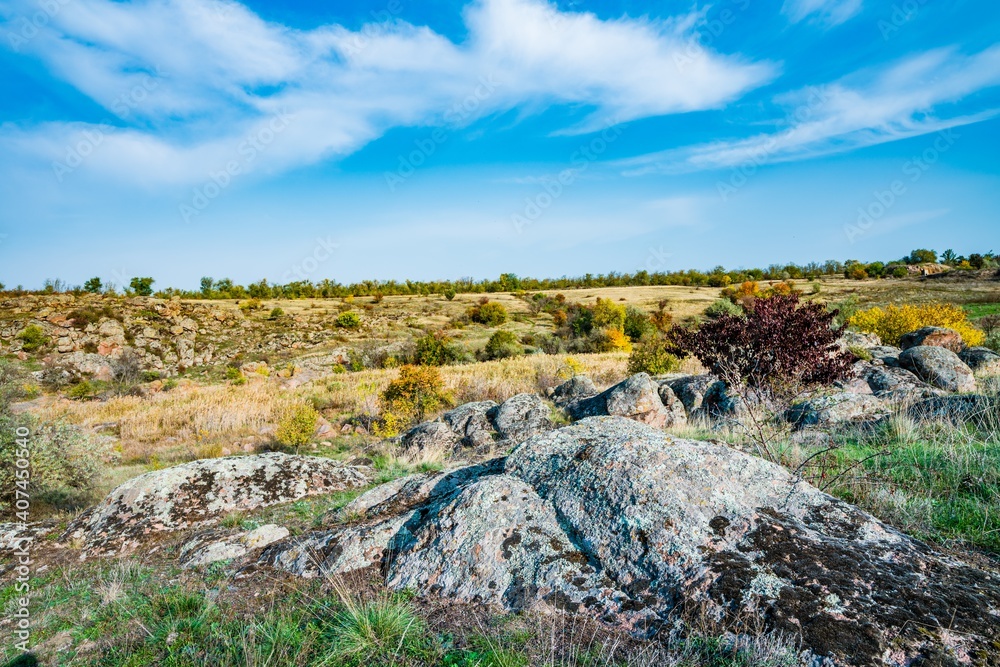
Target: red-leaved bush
x=780, y=342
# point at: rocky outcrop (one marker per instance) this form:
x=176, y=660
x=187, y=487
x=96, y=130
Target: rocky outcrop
x=483, y=424
x=982, y=360
x=971, y=408
x=897, y=385
x=198, y=493
x=214, y=546
x=471, y=423
x=573, y=390
x=637, y=397
x=885, y=354
x=691, y=390
x=620, y=521
x=949, y=339
x=520, y=417
x=939, y=367
x=836, y=409
x=430, y=435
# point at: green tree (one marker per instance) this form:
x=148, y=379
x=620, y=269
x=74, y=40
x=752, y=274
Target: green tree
x=94, y=285
x=922, y=256
x=141, y=286
x=206, y=286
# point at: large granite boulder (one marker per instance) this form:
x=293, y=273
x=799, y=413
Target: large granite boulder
x=430, y=436
x=619, y=521
x=949, y=339
x=520, y=417
x=691, y=390
x=198, y=493
x=471, y=422
x=939, y=367
x=636, y=397
x=837, y=409
x=575, y=389
x=982, y=360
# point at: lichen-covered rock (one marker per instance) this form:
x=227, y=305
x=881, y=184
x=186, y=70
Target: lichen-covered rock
x=886, y=354
x=982, y=360
x=939, y=367
x=974, y=408
x=612, y=518
x=949, y=339
x=676, y=414
x=719, y=404
x=691, y=390
x=897, y=385
x=859, y=340
x=430, y=435
x=214, y=546
x=840, y=408
x=197, y=493
x=520, y=417
x=472, y=424
x=637, y=397
x=575, y=389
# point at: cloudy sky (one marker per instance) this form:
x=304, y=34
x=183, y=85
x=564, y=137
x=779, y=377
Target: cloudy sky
x=442, y=139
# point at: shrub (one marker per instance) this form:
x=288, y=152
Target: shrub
x=721, y=307
x=856, y=272
x=637, y=324
x=900, y=272
x=490, y=313
x=276, y=313
x=779, y=342
x=502, y=345
x=297, y=426
x=32, y=338
x=65, y=463
x=653, y=356
x=922, y=256
x=235, y=376
x=893, y=322
x=433, y=350
x=416, y=391
x=609, y=315
x=349, y=320
x=81, y=390
x=141, y=286
x=126, y=371
x=611, y=340
x=449, y=294
x=251, y=305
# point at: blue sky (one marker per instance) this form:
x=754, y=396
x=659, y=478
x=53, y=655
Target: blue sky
x=440, y=139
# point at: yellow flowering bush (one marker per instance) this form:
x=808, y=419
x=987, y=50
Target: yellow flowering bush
x=612, y=340
x=893, y=322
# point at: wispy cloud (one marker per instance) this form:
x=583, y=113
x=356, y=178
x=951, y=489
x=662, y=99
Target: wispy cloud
x=829, y=12
x=223, y=73
x=906, y=99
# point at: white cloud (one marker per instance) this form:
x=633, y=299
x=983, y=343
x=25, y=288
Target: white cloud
x=199, y=76
x=830, y=12
x=897, y=102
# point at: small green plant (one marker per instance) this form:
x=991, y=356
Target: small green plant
x=297, y=426
x=860, y=352
x=503, y=345
x=490, y=313
x=449, y=294
x=652, y=356
x=32, y=338
x=349, y=320
x=433, y=350
x=383, y=631
x=235, y=376
x=721, y=307
x=276, y=313
x=416, y=392
x=81, y=390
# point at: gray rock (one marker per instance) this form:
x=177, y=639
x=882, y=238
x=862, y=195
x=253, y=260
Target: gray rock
x=973, y=408
x=897, y=385
x=619, y=521
x=949, y=339
x=886, y=354
x=213, y=547
x=676, y=414
x=982, y=360
x=939, y=367
x=857, y=339
x=198, y=493
x=636, y=397
x=575, y=389
x=430, y=435
x=719, y=404
x=691, y=390
x=520, y=417
x=835, y=409
x=472, y=423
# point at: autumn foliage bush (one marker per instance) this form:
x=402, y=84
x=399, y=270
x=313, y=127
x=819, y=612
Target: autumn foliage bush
x=893, y=322
x=416, y=392
x=779, y=342
x=490, y=313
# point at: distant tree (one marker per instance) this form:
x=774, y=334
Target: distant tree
x=2, y=287
x=922, y=256
x=141, y=286
x=949, y=257
x=94, y=286
x=976, y=260
x=206, y=286
x=509, y=282
x=259, y=289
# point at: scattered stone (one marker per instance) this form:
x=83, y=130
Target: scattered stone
x=471, y=422
x=886, y=354
x=575, y=389
x=210, y=547
x=691, y=390
x=520, y=417
x=636, y=397
x=431, y=436
x=859, y=340
x=949, y=339
x=835, y=409
x=198, y=493
x=939, y=367
x=982, y=360
x=897, y=385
